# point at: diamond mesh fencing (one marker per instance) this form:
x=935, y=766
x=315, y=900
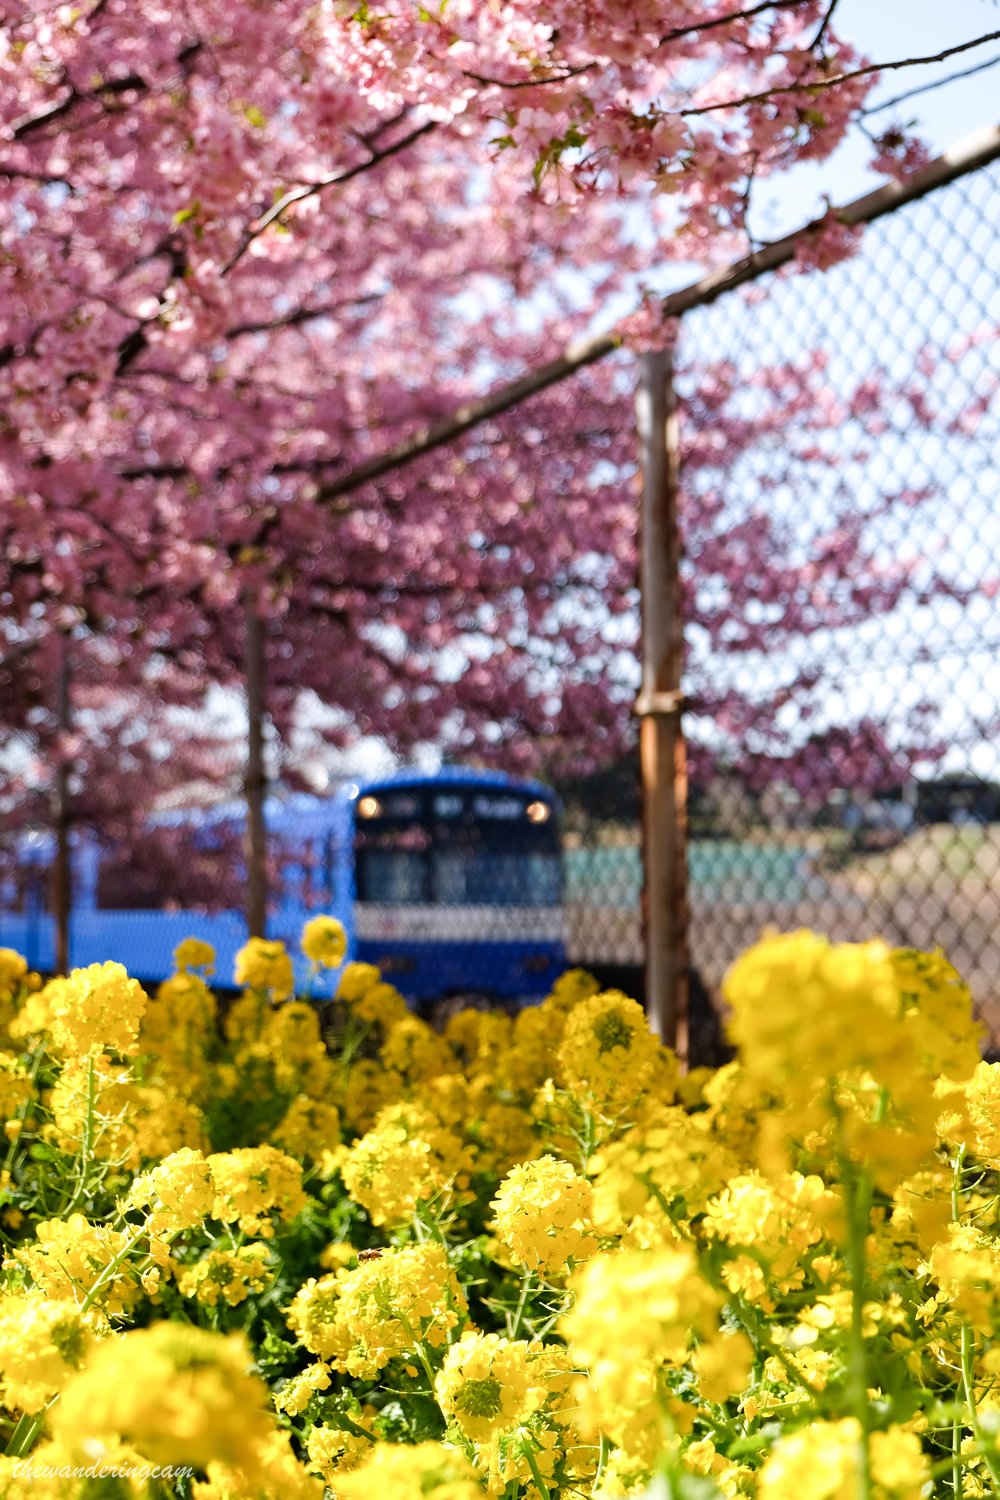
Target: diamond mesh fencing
x=841, y=513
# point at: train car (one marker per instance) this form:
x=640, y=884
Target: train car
x=450, y=882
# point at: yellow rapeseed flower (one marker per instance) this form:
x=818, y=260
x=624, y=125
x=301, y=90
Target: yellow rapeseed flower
x=95, y=1009
x=823, y=1461
x=542, y=1214
x=324, y=941
x=13, y=969
x=42, y=1342
x=265, y=967
x=229, y=1276
x=69, y=1257
x=485, y=1385
x=193, y=953
x=179, y=1192
x=608, y=1054
x=355, y=981
x=360, y=1319
x=180, y=1394
x=254, y=1182
x=410, y=1471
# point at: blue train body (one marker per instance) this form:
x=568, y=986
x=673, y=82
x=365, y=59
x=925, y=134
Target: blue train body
x=449, y=882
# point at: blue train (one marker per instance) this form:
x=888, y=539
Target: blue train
x=452, y=883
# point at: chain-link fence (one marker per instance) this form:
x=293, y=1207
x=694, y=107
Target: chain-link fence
x=840, y=510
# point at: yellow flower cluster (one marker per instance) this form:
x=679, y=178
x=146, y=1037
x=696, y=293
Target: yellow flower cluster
x=670, y=1163
x=97, y=1009
x=334, y=1451
x=254, y=1182
x=307, y=1129
x=485, y=1385
x=16, y=1085
x=42, y=1342
x=180, y=1192
x=395, y=1472
x=13, y=969
x=824, y=1460
x=406, y=1157
x=69, y=1256
x=193, y=953
x=810, y=1016
x=361, y=1319
x=517, y=1258
x=636, y=1313
x=355, y=981
x=542, y=1214
x=772, y=1225
x=324, y=942
x=608, y=1054
x=266, y=968
x=179, y=1395
x=229, y=1276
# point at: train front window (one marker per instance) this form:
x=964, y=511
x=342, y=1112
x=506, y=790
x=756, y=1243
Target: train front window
x=458, y=848
x=392, y=861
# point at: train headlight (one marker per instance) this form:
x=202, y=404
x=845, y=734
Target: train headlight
x=369, y=807
x=538, y=812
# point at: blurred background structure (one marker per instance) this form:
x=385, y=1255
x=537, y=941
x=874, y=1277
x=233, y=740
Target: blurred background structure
x=840, y=523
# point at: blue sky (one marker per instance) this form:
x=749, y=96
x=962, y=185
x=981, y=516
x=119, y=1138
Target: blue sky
x=889, y=30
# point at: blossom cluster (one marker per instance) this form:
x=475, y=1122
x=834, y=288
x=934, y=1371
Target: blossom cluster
x=277, y=1249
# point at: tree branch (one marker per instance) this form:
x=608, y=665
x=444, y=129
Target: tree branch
x=335, y=179
x=529, y=83
x=45, y=178
x=679, y=32
x=974, y=153
x=818, y=85
x=133, y=82
x=301, y=315
x=824, y=26
x=926, y=88
x=727, y=20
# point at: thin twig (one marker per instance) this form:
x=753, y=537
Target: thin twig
x=926, y=88
x=308, y=190
x=726, y=20
x=824, y=26
x=819, y=84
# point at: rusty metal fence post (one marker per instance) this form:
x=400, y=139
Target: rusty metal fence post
x=62, y=872
x=255, y=779
x=659, y=706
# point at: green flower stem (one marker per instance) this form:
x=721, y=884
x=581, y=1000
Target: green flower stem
x=515, y=1327
x=953, y=1466
x=418, y=1349
x=603, y=1455
x=26, y=1104
x=22, y=1439
x=588, y=1140
x=968, y=1386
x=87, y=1143
x=354, y=1035
x=111, y=1268
x=858, y=1193
x=968, y=1344
x=530, y=1460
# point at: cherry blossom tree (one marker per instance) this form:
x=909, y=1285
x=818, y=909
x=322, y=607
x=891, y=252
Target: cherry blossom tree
x=243, y=250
